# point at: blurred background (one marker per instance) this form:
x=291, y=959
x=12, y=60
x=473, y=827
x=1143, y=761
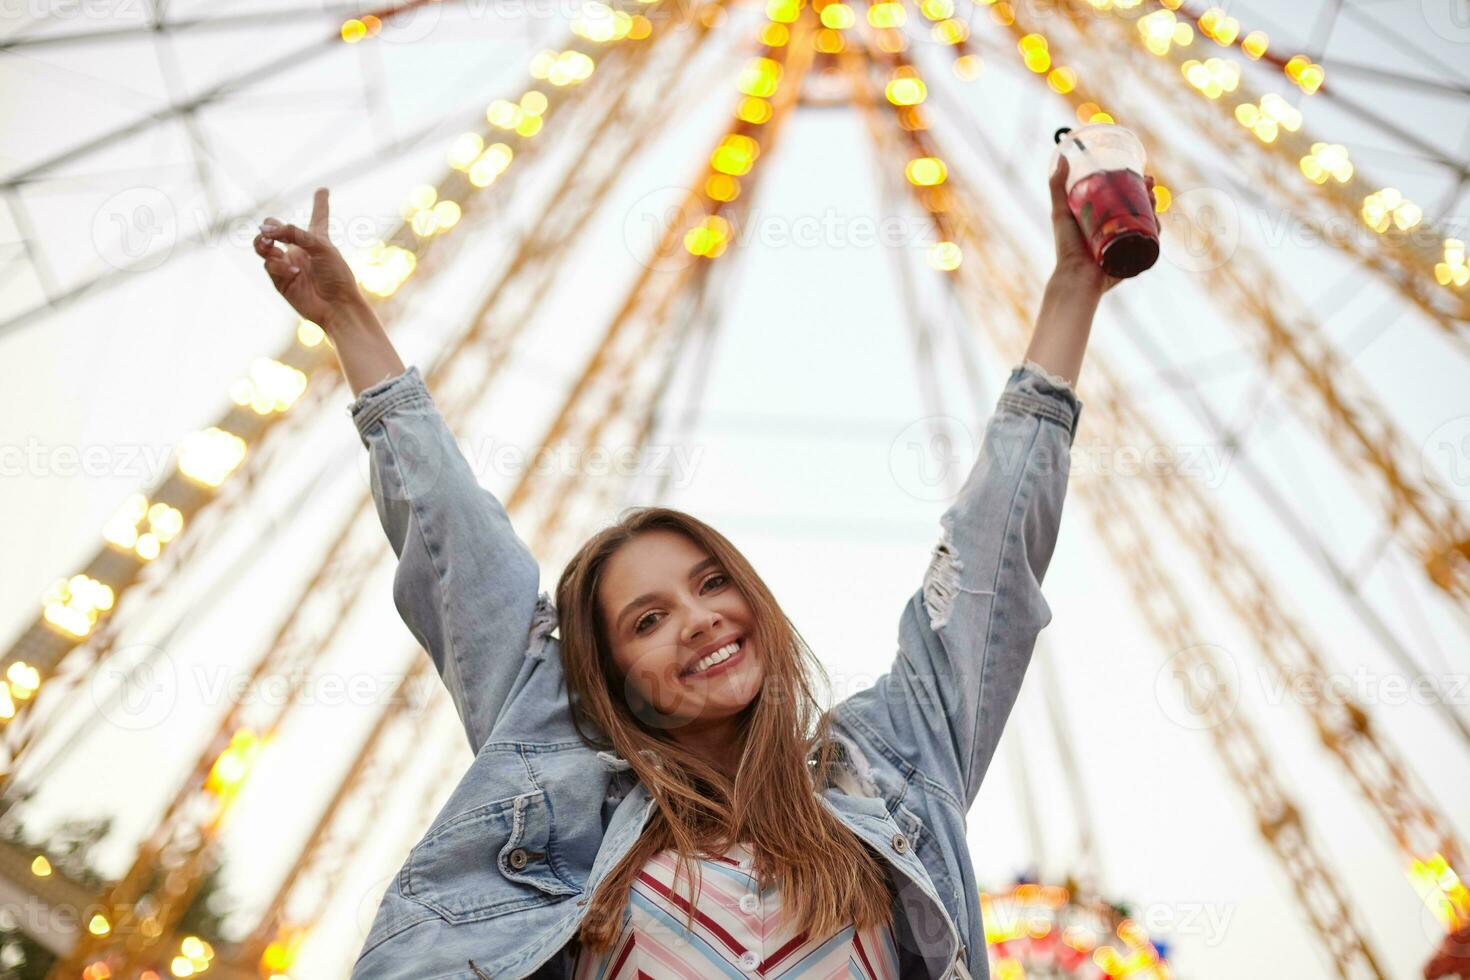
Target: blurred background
x=770, y=264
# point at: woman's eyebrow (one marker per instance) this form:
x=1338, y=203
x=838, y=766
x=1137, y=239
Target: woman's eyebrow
x=650, y=596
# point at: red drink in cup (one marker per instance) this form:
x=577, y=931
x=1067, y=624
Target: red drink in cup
x=1107, y=194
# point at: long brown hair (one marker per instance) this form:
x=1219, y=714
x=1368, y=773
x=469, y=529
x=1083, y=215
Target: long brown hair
x=825, y=872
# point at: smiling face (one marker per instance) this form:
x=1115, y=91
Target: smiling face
x=666, y=606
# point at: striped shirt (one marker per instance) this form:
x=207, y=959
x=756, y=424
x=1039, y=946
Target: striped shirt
x=739, y=931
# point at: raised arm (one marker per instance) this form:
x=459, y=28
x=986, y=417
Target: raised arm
x=967, y=633
x=466, y=586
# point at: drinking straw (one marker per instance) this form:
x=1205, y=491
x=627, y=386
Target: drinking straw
x=1057, y=138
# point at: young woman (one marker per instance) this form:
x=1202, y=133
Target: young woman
x=655, y=792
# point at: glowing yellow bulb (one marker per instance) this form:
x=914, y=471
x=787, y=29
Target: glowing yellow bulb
x=735, y=155
x=775, y=35
x=838, y=16
x=1062, y=80
x=759, y=78
x=534, y=103
x=783, y=11
x=886, y=15
x=967, y=67
x=464, y=150
x=906, y=91
x=753, y=110
x=722, y=187
x=926, y=171
x=945, y=256
x=829, y=41
x=1327, y=160
x=709, y=238
x=950, y=31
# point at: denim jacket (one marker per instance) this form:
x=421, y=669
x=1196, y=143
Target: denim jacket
x=499, y=883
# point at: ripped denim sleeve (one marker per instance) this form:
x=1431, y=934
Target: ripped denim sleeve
x=466, y=585
x=942, y=578
x=967, y=634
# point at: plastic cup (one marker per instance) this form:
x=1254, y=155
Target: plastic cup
x=1108, y=196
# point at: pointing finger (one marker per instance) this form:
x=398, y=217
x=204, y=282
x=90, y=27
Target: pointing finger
x=318, y=223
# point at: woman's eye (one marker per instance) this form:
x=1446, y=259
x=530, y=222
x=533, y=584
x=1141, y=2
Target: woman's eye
x=645, y=622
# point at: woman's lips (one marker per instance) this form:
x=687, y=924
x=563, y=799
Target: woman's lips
x=729, y=661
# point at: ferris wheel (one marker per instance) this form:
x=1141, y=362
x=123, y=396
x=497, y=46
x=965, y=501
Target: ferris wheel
x=1265, y=143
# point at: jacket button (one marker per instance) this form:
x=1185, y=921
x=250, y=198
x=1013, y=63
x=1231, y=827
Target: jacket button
x=749, y=960
x=900, y=843
x=749, y=903
x=518, y=858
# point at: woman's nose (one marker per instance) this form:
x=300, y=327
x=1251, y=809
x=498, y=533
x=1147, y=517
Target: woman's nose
x=701, y=625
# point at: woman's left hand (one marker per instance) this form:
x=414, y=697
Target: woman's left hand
x=1075, y=264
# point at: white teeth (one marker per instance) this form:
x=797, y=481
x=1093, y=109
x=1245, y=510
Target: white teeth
x=722, y=654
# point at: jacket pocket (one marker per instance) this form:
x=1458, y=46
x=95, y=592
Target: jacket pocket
x=487, y=861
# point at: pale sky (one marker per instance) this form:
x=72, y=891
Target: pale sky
x=798, y=454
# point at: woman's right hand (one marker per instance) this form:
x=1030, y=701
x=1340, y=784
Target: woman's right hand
x=309, y=271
